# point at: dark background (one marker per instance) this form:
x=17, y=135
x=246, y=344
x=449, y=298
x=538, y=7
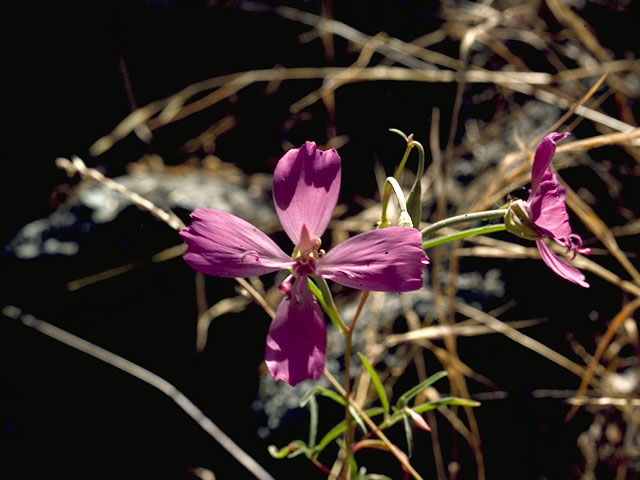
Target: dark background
x=67, y=415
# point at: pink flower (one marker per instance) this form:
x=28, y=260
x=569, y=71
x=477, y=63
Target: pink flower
x=305, y=192
x=544, y=214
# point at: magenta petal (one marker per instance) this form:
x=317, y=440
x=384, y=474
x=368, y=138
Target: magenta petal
x=297, y=339
x=548, y=208
x=306, y=183
x=387, y=260
x=542, y=159
x=223, y=245
x=561, y=268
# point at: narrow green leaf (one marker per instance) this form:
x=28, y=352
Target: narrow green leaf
x=414, y=201
x=325, y=392
x=409, y=434
x=463, y=402
x=295, y=448
x=321, y=291
x=353, y=465
x=331, y=435
x=339, y=429
x=358, y=419
x=313, y=421
x=399, y=132
x=300, y=451
x=412, y=392
x=376, y=383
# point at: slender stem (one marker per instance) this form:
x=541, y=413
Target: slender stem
x=414, y=200
x=374, y=428
x=464, y=234
x=349, y=434
x=467, y=217
x=348, y=440
x=146, y=376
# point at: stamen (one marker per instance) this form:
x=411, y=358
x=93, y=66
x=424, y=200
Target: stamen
x=574, y=244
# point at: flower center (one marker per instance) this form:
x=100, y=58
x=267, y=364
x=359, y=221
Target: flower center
x=306, y=254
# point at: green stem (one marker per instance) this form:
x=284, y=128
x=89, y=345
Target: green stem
x=467, y=217
x=464, y=234
x=348, y=440
x=414, y=200
x=348, y=339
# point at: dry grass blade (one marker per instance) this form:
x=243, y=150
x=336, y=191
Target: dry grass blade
x=521, y=338
x=76, y=165
x=146, y=376
x=568, y=113
x=604, y=401
x=600, y=230
x=223, y=307
x=458, y=329
x=162, y=256
x=626, y=311
x=392, y=448
x=532, y=253
x=629, y=137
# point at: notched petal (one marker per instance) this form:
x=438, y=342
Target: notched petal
x=297, y=339
x=542, y=159
x=306, y=184
x=387, y=260
x=223, y=245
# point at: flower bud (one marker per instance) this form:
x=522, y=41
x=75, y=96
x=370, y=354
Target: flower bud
x=518, y=222
x=405, y=219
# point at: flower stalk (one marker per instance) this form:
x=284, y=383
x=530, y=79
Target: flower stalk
x=471, y=232
x=412, y=207
x=467, y=217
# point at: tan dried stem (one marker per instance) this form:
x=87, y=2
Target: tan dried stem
x=604, y=342
x=400, y=456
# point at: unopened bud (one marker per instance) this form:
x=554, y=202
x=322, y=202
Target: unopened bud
x=517, y=221
x=405, y=219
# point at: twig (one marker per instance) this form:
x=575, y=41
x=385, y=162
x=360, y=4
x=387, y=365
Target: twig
x=76, y=165
x=146, y=376
x=622, y=315
x=392, y=448
x=439, y=331
x=521, y=338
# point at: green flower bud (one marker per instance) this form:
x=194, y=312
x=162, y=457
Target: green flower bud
x=518, y=222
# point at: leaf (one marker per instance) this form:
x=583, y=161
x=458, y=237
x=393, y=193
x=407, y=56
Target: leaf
x=313, y=421
x=412, y=392
x=295, y=448
x=358, y=419
x=376, y=383
x=409, y=434
x=414, y=201
x=338, y=429
x=463, y=402
x=399, y=132
x=321, y=291
x=325, y=392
